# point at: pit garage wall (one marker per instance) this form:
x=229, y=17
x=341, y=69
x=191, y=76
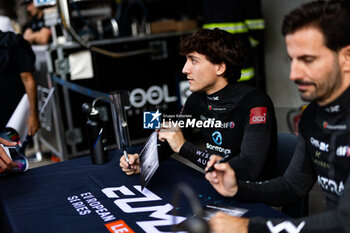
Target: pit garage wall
x=283, y=92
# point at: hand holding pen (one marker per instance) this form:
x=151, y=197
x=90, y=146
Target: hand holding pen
x=223, y=160
x=130, y=163
x=222, y=177
x=126, y=155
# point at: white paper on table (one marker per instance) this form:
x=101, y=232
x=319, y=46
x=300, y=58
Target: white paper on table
x=20, y=117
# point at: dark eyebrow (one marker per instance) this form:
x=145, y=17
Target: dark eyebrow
x=192, y=56
x=303, y=57
x=306, y=56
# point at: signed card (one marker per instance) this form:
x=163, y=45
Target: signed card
x=149, y=159
x=210, y=209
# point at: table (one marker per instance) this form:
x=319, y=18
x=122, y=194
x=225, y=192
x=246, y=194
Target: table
x=77, y=196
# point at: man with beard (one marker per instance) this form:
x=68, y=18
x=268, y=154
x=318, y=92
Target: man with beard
x=318, y=45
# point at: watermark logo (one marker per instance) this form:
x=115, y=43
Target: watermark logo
x=217, y=138
x=151, y=120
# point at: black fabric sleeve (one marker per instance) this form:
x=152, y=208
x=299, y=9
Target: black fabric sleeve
x=189, y=151
x=336, y=220
x=289, y=189
x=259, y=140
x=296, y=183
x=195, y=154
x=25, y=56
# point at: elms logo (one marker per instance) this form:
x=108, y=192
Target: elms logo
x=151, y=120
x=118, y=227
x=217, y=138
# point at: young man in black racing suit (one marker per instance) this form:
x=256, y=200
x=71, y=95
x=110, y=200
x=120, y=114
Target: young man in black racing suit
x=318, y=44
x=247, y=125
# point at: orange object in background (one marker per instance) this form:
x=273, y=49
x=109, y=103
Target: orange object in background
x=293, y=118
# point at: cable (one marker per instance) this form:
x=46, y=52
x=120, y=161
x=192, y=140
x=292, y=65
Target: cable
x=194, y=224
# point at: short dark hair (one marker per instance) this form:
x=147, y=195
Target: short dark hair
x=332, y=18
x=218, y=46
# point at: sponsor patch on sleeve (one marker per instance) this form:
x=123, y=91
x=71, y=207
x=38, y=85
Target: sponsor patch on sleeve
x=258, y=115
x=118, y=226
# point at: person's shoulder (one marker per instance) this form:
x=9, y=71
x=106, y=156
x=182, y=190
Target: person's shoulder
x=253, y=95
x=309, y=111
x=9, y=39
x=5, y=37
x=254, y=91
x=21, y=43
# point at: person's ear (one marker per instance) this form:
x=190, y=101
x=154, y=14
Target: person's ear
x=344, y=58
x=220, y=69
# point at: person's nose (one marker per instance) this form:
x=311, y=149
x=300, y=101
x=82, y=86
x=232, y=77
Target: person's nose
x=296, y=71
x=186, y=68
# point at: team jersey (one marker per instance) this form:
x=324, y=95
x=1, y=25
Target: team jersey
x=238, y=121
x=323, y=155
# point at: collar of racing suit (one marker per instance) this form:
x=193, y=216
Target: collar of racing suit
x=340, y=104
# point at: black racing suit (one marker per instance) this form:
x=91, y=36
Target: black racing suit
x=322, y=154
x=247, y=130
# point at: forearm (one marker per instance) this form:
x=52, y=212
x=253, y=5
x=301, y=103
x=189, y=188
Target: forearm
x=335, y=220
x=30, y=88
x=255, y=153
x=39, y=37
x=43, y=36
x=294, y=185
x=194, y=154
x=329, y=221
x=258, y=147
x=274, y=192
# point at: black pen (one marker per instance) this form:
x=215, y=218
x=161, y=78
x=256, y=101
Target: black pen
x=126, y=155
x=223, y=160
